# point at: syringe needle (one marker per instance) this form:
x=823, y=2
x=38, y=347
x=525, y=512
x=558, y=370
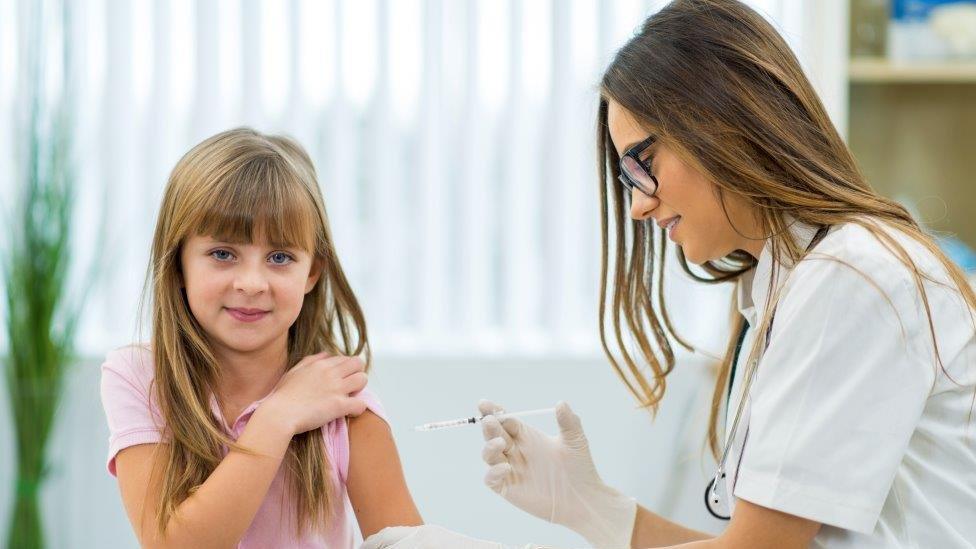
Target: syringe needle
x=437, y=425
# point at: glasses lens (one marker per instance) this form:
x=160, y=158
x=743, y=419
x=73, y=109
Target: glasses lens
x=636, y=173
x=626, y=182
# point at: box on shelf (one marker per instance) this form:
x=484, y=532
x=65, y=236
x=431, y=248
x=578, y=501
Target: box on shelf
x=931, y=30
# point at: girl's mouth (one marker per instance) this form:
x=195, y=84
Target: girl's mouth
x=247, y=315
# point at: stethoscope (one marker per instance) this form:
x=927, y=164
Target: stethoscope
x=712, y=498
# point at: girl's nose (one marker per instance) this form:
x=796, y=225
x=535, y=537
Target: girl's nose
x=250, y=281
x=641, y=205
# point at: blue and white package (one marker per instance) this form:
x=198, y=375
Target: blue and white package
x=910, y=35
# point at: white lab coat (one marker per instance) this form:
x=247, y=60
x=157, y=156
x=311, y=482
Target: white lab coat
x=851, y=422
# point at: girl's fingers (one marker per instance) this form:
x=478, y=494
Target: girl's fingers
x=354, y=383
x=349, y=365
x=312, y=358
x=353, y=406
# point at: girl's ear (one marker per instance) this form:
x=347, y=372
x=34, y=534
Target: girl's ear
x=314, y=274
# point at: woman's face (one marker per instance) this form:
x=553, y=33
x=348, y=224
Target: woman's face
x=685, y=200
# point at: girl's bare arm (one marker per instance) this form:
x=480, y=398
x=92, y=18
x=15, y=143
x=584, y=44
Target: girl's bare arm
x=376, y=486
x=220, y=511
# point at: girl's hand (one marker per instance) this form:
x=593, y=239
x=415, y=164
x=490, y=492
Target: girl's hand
x=316, y=391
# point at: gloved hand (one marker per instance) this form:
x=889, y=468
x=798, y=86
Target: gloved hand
x=554, y=478
x=429, y=537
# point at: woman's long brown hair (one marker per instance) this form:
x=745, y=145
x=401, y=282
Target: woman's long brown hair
x=232, y=186
x=715, y=81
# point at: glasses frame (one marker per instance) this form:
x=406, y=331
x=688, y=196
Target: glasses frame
x=625, y=176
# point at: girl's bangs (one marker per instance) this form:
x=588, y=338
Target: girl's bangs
x=262, y=199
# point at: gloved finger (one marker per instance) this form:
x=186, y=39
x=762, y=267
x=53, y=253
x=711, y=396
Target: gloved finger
x=497, y=477
x=492, y=429
x=570, y=426
x=494, y=451
x=511, y=425
x=388, y=537
x=487, y=407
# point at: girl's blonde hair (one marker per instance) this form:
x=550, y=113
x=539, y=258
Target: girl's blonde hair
x=232, y=186
x=716, y=82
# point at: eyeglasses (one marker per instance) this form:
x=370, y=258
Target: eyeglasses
x=636, y=173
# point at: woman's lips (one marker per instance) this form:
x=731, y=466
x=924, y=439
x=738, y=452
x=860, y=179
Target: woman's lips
x=247, y=315
x=672, y=225
x=664, y=222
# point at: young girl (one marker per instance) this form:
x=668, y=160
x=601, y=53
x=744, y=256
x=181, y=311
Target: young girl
x=230, y=427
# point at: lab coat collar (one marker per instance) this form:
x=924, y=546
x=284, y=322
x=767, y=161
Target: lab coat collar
x=744, y=296
x=753, y=288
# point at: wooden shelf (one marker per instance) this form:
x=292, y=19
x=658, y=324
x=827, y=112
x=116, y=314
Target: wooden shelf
x=879, y=70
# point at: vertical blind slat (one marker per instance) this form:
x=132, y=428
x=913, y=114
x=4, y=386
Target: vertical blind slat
x=565, y=230
x=525, y=172
x=478, y=199
x=118, y=167
x=252, y=40
x=340, y=157
x=160, y=131
x=433, y=237
x=384, y=221
x=206, y=102
x=295, y=107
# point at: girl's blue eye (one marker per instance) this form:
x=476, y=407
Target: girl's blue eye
x=280, y=258
x=221, y=255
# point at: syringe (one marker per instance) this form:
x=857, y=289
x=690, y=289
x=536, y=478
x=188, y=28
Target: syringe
x=475, y=419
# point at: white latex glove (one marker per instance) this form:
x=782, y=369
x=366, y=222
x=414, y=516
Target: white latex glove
x=554, y=477
x=429, y=537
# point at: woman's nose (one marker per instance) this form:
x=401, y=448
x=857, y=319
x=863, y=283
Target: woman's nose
x=641, y=205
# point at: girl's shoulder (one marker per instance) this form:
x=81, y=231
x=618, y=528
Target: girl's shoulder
x=127, y=397
x=133, y=363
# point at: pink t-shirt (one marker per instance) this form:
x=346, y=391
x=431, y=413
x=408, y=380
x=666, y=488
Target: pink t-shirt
x=134, y=418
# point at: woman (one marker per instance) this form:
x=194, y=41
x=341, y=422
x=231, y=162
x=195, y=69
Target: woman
x=849, y=381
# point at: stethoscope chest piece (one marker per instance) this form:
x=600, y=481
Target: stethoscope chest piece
x=714, y=501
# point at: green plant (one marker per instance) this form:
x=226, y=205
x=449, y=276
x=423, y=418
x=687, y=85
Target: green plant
x=40, y=320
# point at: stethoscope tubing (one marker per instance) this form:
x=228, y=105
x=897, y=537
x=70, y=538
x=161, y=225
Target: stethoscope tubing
x=711, y=491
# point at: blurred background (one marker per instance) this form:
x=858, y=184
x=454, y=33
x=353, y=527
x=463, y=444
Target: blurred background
x=454, y=142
